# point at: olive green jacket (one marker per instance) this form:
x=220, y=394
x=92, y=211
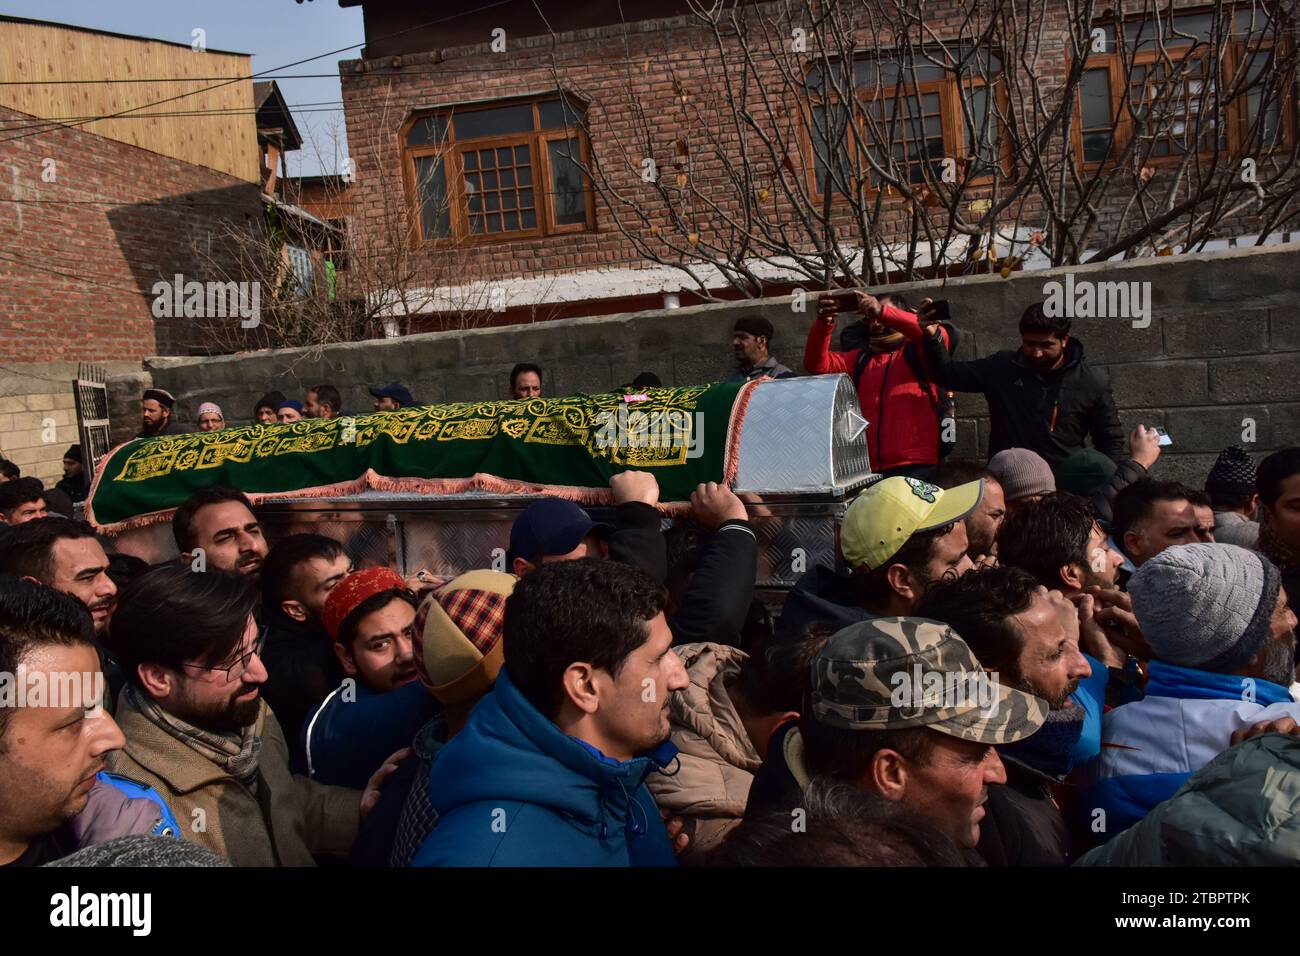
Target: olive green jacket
x=288, y=820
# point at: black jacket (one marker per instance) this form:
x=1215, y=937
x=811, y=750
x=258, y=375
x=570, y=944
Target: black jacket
x=301, y=670
x=1022, y=825
x=717, y=599
x=820, y=595
x=1048, y=413
x=173, y=427
x=1103, y=502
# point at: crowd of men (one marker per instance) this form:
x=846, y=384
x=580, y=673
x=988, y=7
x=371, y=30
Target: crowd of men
x=1048, y=658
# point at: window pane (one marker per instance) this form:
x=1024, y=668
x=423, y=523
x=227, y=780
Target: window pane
x=508, y=177
x=569, y=197
x=1262, y=85
x=493, y=201
x=1094, y=99
x=830, y=149
x=528, y=219
x=525, y=175
x=490, y=180
x=981, y=130
x=526, y=199
x=511, y=221
x=431, y=193
x=498, y=121
x=427, y=131
x=557, y=113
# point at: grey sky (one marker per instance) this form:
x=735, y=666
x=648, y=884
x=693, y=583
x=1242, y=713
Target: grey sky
x=275, y=32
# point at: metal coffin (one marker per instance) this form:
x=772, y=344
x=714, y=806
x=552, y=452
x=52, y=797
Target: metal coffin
x=802, y=455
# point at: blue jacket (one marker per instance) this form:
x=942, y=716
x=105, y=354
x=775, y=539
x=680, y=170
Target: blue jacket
x=512, y=789
x=347, y=739
x=1150, y=748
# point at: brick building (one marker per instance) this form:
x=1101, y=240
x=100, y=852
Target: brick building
x=96, y=211
x=482, y=130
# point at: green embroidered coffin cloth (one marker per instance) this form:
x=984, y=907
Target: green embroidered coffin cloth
x=569, y=447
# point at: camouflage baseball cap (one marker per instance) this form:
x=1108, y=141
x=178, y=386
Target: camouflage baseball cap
x=890, y=673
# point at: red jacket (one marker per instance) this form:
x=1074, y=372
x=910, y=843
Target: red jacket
x=902, y=426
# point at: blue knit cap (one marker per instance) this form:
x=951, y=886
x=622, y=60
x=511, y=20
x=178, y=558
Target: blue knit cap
x=1206, y=606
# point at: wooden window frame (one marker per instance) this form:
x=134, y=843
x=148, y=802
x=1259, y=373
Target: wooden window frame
x=1236, y=119
x=452, y=151
x=952, y=88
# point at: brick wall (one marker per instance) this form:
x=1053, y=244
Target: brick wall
x=1223, y=346
x=650, y=64
x=79, y=255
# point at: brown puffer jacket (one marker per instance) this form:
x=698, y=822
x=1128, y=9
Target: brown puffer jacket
x=717, y=759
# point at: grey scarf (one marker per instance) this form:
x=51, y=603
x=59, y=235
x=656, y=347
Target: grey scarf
x=234, y=753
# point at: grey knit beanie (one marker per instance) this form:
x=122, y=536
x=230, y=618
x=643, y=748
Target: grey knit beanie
x=1022, y=473
x=143, y=850
x=1205, y=606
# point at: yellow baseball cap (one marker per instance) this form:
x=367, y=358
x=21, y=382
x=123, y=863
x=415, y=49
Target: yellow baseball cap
x=882, y=518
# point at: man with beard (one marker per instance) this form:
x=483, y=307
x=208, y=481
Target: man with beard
x=1043, y=396
x=198, y=731
x=219, y=523
x=751, y=343
x=66, y=555
x=898, y=399
x=156, y=407
x=983, y=523
x=1223, y=638
x=1029, y=637
x=55, y=797
x=381, y=704
x=899, y=538
x=1278, y=483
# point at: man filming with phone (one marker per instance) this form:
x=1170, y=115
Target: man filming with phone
x=1043, y=396
x=905, y=411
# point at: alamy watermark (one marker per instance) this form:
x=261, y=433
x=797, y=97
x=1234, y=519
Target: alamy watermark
x=208, y=300
x=659, y=429
x=920, y=690
x=39, y=688
x=1085, y=299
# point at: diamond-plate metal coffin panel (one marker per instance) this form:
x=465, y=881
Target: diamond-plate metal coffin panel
x=789, y=545
x=368, y=540
x=803, y=436
x=450, y=544
x=152, y=543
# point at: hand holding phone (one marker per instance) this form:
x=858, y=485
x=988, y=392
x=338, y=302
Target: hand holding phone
x=1164, y=436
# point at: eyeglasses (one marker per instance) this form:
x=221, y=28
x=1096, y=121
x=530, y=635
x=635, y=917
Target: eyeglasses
x=236, y=669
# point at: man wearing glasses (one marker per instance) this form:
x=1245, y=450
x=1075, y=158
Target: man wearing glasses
x=198, y=731
x=899, y=537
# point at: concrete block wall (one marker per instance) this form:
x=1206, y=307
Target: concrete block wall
x=38, y=415
x=1222, y=351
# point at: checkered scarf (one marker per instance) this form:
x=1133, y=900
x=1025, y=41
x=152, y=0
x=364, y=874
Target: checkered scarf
x=234, y=753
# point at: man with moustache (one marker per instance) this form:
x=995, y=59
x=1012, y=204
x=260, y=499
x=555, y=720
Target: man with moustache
x=1043, y=396
x=381, y=704
x=219, y=523
x=198, y=731
x=1223, y=638
x=751, y=344
x=66, y=555
x=156, y=418
x=550, y=768
x=55, y=797
x=1030, y=638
